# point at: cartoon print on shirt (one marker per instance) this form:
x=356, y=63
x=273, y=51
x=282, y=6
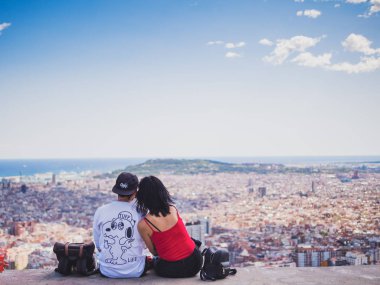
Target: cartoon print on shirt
x=118, y=237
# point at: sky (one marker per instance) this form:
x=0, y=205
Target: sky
x=189, y=78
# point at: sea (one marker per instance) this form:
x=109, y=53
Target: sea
x=25, y=167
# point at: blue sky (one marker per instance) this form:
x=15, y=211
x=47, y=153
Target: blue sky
x=189, y=78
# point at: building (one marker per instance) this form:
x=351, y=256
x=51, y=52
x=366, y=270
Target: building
x=23, y=188
x=262, y=191
x=374, y=255
x=356, y=258
x=374, y=252
x=6, y=184
x=198, y=229
x=309, y=256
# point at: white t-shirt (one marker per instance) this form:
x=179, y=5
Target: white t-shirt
x=118, y=241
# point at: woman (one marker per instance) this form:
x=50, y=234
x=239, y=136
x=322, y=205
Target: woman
x=164, y=233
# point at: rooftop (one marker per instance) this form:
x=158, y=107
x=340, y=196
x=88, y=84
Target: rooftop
x=349, y=275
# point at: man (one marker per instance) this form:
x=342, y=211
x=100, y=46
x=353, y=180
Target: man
x=116, y=236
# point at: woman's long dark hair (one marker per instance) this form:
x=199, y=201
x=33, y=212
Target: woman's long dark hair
x=153, y=196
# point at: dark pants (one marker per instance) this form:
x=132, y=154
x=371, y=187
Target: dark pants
x=186, y=267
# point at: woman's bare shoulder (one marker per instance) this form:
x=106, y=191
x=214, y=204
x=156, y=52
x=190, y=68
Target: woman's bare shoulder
x=173, y=210
x=141, y=225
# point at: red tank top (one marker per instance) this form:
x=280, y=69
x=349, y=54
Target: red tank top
x=173, y=244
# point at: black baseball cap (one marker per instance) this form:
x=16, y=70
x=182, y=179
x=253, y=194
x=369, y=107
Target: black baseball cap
x=126, y=184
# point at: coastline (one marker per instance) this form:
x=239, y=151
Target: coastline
x=16, y=168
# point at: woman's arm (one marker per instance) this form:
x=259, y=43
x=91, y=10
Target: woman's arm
x=145, y=233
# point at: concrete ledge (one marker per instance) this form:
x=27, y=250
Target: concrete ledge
x=349, y=275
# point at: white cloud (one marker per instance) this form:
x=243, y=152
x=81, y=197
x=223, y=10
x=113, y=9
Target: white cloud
x=309, y=60
x=309, y=13
x=232, y=54
x=265, y=42
x=286, y=46
x=211, y=43
x=366, y=64
x=3, y=26
x=236, y=45
x=229, y=45
x=356, y=1
x=312, y=13
x=299, y=1
x=336, y=5
x=359, y=43
x=241, y=44
x=369, y=62
x=373, y=9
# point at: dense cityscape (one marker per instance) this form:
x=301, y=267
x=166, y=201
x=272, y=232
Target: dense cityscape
x=272, y=218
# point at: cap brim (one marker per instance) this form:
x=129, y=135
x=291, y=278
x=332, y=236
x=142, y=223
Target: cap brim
x=123, y=192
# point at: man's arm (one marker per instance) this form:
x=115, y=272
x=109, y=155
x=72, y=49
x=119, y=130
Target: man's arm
x=143, y=230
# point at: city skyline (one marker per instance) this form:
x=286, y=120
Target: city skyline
x=94, y=79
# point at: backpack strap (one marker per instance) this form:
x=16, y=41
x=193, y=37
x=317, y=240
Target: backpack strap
x=198, y=243
x=81, y=251
x=67, y=249
x=204, y=276
x=86, y=264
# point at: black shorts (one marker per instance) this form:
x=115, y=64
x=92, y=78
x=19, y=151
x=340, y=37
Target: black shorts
x=186, y=267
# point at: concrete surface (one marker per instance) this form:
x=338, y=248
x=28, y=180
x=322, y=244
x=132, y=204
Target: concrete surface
x=350, y=275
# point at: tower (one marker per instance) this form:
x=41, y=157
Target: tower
x=206, y=224
x=313, y=186
x=250, y=185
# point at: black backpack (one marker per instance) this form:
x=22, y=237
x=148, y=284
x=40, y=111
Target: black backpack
x=216, y=264
x=75, y=257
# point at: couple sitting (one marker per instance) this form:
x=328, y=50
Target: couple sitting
x=147, y=215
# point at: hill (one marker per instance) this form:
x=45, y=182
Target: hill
x=195, y=166
x=204, y=166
